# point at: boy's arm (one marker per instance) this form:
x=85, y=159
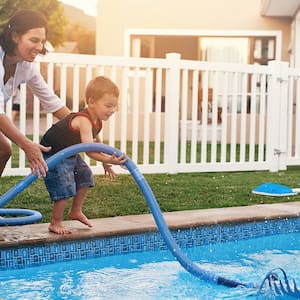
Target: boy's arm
x=85, y=128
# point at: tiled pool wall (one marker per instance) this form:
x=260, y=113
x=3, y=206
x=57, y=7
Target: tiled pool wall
x=47, y=253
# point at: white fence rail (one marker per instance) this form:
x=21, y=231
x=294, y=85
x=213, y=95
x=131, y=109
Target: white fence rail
x=179, y=115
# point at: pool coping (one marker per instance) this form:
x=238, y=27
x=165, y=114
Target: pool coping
x=32, y=234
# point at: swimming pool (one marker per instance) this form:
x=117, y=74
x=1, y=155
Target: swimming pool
x=139, y=266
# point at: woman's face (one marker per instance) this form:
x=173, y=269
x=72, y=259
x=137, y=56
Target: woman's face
x=29, y=44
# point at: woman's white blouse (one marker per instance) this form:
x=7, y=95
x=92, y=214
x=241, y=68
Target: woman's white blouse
x=27, y=72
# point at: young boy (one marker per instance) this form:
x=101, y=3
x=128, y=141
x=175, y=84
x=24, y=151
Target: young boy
x=72, y=177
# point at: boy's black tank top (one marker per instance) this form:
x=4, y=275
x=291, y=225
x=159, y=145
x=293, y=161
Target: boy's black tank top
x=61, y=135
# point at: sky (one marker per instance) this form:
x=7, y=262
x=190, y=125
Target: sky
x=88, y=6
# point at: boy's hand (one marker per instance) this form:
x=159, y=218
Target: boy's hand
x=108, y=170
x=121, y=160
x=113, y=159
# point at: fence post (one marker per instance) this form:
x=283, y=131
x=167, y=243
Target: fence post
x=277, y=112
x=172, y=112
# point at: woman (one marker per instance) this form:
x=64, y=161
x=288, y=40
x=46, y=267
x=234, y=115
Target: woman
x=22, y=39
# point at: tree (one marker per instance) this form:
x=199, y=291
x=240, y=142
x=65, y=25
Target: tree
x=85, y=38
x=87, y=43
x=52, y=9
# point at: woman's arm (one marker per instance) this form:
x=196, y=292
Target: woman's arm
x=50, y=102
x=32, y=150
x=61, y=113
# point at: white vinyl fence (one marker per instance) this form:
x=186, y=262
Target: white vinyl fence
x=181, y=115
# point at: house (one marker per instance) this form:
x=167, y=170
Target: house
x=289, y=9
x=248, y=31
x=244, y=32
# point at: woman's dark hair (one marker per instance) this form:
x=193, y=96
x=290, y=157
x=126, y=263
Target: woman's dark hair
x=22, y=21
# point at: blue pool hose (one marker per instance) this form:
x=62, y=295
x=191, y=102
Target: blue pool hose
x=30, y=216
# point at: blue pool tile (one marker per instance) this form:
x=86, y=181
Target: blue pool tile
x=21, y=257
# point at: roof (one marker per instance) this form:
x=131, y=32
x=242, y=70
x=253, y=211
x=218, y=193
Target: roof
x=279, y=8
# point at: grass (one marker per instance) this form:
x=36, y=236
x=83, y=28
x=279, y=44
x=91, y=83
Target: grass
x=173, y=192
x=15, y=157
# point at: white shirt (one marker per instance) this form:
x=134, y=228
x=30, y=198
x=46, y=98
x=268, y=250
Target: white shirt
x=27, y=72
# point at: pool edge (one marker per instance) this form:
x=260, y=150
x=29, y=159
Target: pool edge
x=16, y=236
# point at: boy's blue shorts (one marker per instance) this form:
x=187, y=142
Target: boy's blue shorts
x=67, y=176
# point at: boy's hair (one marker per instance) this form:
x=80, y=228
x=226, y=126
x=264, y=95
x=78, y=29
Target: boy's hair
x=99, y=86
x=21, y=22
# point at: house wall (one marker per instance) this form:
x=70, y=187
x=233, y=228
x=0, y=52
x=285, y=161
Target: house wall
x=295, y=45
x=115, y=16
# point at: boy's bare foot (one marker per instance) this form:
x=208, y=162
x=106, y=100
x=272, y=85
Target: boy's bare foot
x=79, y=216
x=58, y=229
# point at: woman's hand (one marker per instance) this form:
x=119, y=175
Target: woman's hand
x=35, y=158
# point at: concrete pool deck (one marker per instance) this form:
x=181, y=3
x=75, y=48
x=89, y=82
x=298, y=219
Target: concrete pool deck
x=14, y=236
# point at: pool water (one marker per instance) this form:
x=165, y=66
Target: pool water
x=156, y=275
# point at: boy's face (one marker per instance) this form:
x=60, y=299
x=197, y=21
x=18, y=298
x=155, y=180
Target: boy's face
x=104, y=108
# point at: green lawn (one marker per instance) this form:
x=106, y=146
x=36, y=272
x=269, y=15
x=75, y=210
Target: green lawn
x=15, y=156
x=173, y=192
